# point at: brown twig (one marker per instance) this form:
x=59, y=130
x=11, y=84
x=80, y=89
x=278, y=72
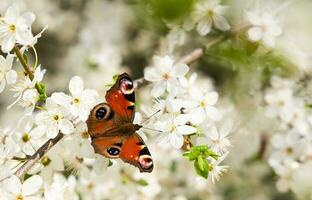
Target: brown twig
x=38, y=155
x=29, y=71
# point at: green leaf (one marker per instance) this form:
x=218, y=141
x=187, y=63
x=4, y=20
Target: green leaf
x=41, y=88
x=142, y=182
x=202, y=167
x=110, y=163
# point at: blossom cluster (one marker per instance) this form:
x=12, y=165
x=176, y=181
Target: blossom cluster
x=291, y=138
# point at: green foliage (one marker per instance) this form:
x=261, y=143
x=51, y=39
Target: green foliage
x=41, y=88
x=142, y=182
x=200, y=155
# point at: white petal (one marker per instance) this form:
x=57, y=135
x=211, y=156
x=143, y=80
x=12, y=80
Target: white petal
x=61, y=98
x=163, y=139
x=2, y=85
x=269, y=40
x=213, y=113
x=26, y=19
x=76, y=85
x=8, y=44
x=204, y=26
x=221, y=23
x=255, y=34
x=37, y=132
x=152, y=74
x=12, y=14
x=86, y=149
x=158, y=89
x=13, y=185
x=31, y=185
x=181, y=119
x=66, y=126
x=11, y=77
x=57, y=163
x=226, y=128
x=197, y=115
x=24, y=37
x=52, y=131
x=253, y=18
x=179, y=69
x=211, y=98
x=176, y=140
x=186, y=130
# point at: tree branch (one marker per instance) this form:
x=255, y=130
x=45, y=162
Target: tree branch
x=20, y=57
x=38, y=155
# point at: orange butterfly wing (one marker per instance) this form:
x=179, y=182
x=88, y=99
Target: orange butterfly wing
x=130, y=149
x=112, y=131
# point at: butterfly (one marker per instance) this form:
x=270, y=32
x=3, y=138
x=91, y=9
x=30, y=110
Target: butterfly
x=113, y=133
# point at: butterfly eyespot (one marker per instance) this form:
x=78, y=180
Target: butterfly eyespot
x=146, y=161
x=113, y=151
x=102, y=112
x=126, y=86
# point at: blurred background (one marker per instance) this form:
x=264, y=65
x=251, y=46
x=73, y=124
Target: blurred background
x=96, y=39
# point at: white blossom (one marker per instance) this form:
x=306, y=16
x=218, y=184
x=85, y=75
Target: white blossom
x=209, y=14
x=14, y=189
x=7, y=74
x=54, y=119
x=81, y=100
x=174, y=127
x=164, y=74
x=15, y=28
x=264, y=27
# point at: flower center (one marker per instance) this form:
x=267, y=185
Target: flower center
x=56, y=117
x=289, y=150
x=12, y=27
x=210, y=13
x=166, y=76
x=25, y=137
x=19, y=197
x=45, y=161
x=85, y=135
x=76, y=100
x=173, y=128
x=280, y=103
x=202, y=104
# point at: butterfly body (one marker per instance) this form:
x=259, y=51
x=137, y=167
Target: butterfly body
x=111, y=127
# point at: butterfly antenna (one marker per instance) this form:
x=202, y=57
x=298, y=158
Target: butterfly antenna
x=145, y=120
x=151, y=129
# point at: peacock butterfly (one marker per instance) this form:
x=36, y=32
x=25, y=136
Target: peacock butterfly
x=111, y=127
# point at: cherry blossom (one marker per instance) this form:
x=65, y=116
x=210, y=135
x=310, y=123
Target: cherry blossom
x=7, y=74
x=81, y=101
x=54, y=119
x=264, y=27
x=165, y=75
x=15, y=28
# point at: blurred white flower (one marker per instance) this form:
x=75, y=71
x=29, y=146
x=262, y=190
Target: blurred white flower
x=25, y=92
x=54, y=119
x=15, y=28
x=217, y=169
x=81, y=100
x=164, y=74
x=174, y=127
x=264, y=27
x=219, y=141
x=7, y=74
x=29, y=190
x=209, y=14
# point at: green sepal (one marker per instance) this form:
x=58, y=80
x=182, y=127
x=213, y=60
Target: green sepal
x=41, y=88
